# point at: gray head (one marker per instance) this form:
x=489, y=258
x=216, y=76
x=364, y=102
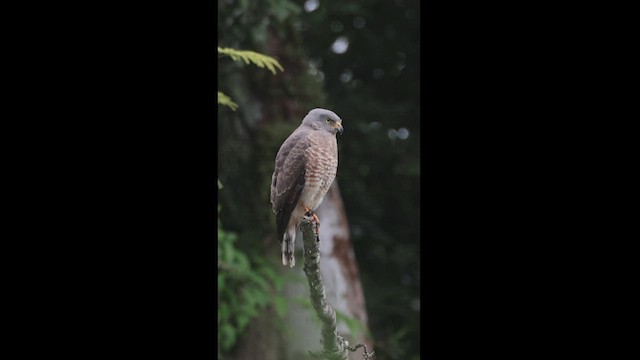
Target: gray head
x=323, y=119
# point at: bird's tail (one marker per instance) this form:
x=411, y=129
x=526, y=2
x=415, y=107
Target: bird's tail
x=288, y=247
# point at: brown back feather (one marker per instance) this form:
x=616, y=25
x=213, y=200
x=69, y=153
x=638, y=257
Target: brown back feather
x=288, y=179
x=288, y=204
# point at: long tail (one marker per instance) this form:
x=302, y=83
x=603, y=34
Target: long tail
x=288, y=247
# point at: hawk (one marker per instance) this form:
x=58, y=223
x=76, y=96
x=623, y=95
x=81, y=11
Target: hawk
x=305, y=168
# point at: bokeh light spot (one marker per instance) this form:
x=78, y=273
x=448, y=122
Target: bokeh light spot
x=359, y=23
x=346, y=76
x=341, y=45
x=336, y=26
x=311, y=5
x=403, y=133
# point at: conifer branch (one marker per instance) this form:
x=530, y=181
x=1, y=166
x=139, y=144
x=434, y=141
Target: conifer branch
x=252, y=57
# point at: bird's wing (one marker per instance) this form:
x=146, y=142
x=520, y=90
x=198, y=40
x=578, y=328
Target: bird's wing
x=288, y=179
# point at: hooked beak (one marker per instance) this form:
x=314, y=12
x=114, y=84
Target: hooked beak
x=339, y=128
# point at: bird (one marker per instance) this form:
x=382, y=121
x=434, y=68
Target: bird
x=305, y=167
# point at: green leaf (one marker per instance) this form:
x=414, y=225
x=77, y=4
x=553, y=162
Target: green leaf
x=227, y=254
x=275, y=278
x=260, y=281
x=280, y=304
x=243, y=320
x=226, y=101
x=251, y=57
x=223, y=311
x=227, y=336
x=241, y=262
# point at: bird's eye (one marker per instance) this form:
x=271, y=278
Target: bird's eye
x=327, y=120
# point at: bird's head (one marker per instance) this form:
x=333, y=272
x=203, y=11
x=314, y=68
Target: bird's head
x=323, y=119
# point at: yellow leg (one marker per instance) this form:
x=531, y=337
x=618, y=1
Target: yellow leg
x=308, y=211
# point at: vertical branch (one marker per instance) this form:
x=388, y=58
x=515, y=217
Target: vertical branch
x=332, y=343
x=334, y=346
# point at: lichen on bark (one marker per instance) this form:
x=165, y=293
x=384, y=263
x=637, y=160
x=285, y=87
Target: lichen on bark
x=335, y=347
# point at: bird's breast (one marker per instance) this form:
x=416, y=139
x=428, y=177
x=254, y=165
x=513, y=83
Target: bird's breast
x=318, y=179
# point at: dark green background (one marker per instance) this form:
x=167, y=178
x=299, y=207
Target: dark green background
x=374, y=87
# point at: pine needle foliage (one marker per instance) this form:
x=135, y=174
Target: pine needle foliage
x=252, y=57
x=226, y=101
x=249, y=57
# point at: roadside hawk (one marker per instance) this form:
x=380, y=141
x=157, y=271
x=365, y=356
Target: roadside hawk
x=305, y=168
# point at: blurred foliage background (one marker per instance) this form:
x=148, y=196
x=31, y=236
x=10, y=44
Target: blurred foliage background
x=360, y=59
